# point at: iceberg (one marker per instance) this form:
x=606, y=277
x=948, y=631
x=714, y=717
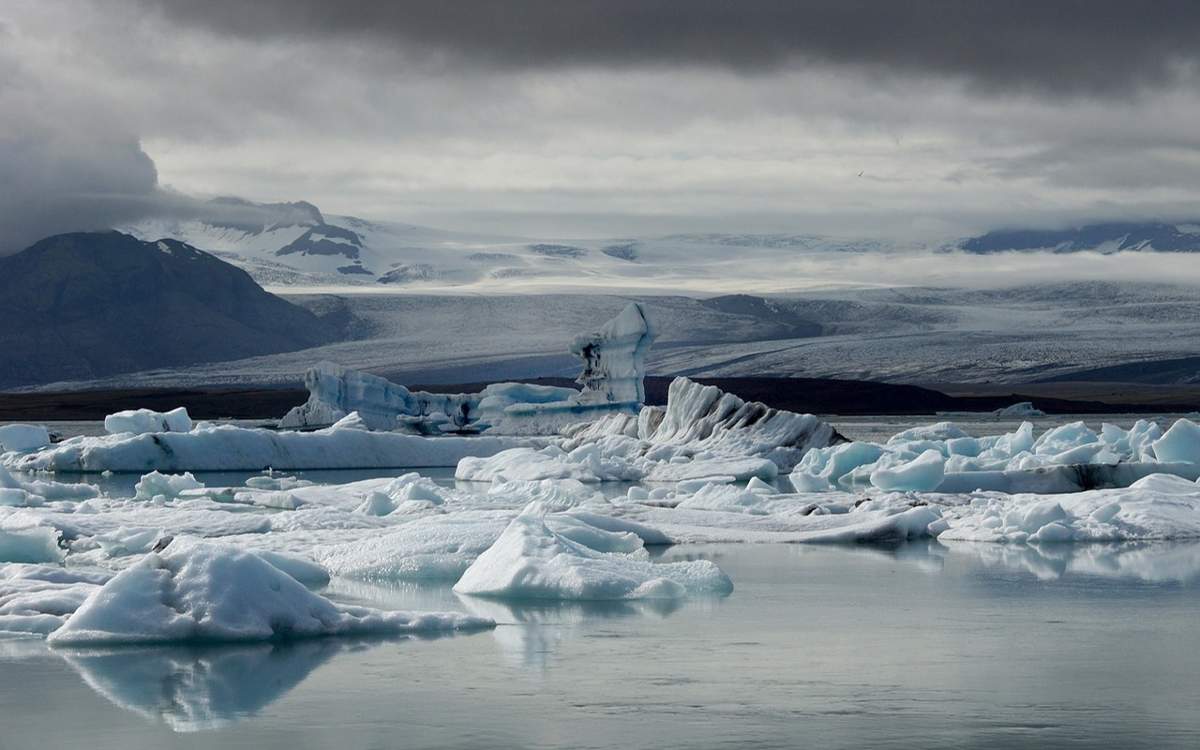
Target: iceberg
x=335, y=392
x=1065, y=458
x=23, y=437
x=702, y=433
x=212, y=593
x=531, y=561
x=210, y=447
x=614, y=366
x=614, y=359
x=1020, y=410
x=143, y=421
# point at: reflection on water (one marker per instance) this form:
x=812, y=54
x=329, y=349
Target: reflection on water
x=1150, y=562
x=909, y=646
x=529, y=633
x=196, y=688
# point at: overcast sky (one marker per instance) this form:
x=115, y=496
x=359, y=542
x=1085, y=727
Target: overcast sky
x=603, y=117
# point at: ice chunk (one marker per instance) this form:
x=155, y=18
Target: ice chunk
x=232, y=448
x=613, y=369
x=141, y=421
x=206, y=592
x=165, y=486
x=1022, y=410
x=614, y=358
x=23, y=437
x=703, y=433
x=1181, y=443
x=335, y=392
x=530, y=561
x=922, y=474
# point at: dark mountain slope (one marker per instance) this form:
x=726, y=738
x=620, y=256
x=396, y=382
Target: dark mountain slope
x=85, y=305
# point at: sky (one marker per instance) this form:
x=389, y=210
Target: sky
x=590, y=118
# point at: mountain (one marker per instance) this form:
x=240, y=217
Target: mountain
x=1105, y=238
x=297, y=245
x=87, y=305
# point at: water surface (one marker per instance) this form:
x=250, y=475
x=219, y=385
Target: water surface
x=912, y=647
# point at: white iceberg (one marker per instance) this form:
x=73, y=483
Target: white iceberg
x=614, y=359
x=142, y=421
x=211, y=447
x=613, y=370
x=1065, y=458
x=702, y=433
x=23, y=437
x=205, y=592
x=1021, y=410
x=531, y=561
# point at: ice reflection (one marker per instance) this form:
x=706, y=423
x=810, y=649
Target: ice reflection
x=1149, y=562
x=529, y=633
x=197, y=688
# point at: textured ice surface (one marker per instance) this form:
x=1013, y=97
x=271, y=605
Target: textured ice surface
x=335, y=391
x=207, y=592
x=614, y=358
x=702, y=433
x=531, y=561
x=1064, y=458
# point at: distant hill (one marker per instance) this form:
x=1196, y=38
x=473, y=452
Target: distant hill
x=86, y=305
x=1105, y=238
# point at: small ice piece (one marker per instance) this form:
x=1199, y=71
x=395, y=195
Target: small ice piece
x=23, y=437
x=142, y=421
x=922, y=474
x=1019, y=410
x=205, y=592
x=167, y=486
x=531, y=561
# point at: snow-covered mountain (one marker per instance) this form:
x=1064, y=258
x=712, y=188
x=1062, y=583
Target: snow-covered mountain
x=1104, y=238
x=295, y=245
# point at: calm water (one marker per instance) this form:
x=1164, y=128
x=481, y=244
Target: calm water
x=915, y=647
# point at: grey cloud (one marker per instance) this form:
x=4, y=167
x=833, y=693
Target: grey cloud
x=1081, y=46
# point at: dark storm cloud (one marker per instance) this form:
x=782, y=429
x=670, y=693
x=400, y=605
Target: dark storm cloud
x=1081, y=46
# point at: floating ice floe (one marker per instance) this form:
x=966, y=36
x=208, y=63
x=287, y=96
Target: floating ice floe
x=1066, y=458
x=23, y=437
x=702, y=433
x=531, y=561
x=211, y=447
x=205, y=592
x=613, y=369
